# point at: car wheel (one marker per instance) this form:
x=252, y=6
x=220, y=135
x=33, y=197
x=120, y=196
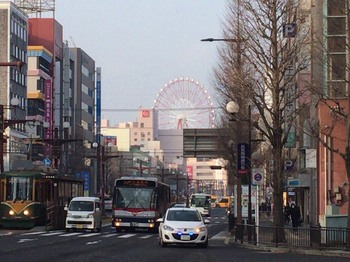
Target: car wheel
x=161, y=242
x=204, y=245
x=118, y=230
x=67, y=230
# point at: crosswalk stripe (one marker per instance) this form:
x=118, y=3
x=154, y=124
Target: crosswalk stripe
x=127, y=236
x=33, y=233
x=51, y=234
x=109, y=235
x=90, y=235
x=70, y=234
x=147, y=236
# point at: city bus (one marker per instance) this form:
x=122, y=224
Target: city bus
x=201, y=202
x=36, y=196
x=138, y=202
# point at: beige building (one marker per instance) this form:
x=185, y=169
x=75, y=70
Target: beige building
x=165, y=151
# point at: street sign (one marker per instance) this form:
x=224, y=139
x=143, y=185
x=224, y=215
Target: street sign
x=243, y=161
x=47, y=162
x=258, y=176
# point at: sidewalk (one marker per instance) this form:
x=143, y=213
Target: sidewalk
x=268, y=221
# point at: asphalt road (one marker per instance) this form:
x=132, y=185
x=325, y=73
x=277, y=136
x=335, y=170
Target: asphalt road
x=49, y=246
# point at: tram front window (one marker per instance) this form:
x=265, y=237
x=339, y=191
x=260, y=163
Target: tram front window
x=19, y=189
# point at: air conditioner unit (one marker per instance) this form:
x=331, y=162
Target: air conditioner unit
x=338, y=197
x=336, y=190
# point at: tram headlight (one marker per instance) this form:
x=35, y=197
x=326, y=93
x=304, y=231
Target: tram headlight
x=26, y=212
x=11, y=212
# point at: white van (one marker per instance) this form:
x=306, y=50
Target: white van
x=84, y=213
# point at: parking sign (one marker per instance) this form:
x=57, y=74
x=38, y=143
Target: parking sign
x=257, y=176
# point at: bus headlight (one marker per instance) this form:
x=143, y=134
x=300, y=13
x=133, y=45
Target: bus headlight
x=26, y=212
x=11, y=212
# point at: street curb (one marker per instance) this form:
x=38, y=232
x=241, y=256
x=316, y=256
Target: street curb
x=296, y=250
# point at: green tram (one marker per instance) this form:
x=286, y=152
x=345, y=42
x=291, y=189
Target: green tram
x=36, y=197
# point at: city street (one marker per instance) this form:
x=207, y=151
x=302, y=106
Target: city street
x=33, y=245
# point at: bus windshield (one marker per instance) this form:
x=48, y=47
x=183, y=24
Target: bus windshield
x=19, y=188
x=127, y=197
x=200, y=200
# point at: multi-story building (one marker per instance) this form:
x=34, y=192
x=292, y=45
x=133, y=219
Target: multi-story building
x=330, y=76
x=13, y=87
x=83, y=90
x=39, y=62
x=165, y=153
x=320, y=183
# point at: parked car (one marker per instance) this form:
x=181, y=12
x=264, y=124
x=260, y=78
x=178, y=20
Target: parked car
x=183, y=226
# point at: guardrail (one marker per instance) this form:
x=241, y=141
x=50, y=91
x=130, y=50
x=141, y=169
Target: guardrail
x=306, y=237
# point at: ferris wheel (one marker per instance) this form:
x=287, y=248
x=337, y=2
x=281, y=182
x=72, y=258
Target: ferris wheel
x=184, y=103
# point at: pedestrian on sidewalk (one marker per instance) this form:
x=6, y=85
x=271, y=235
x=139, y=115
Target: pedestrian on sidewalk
x=286, y=213
x=295, y=215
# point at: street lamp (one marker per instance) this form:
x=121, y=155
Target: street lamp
x=232, y=108
x=100, y=176
x=66, y=126
x=5, y=123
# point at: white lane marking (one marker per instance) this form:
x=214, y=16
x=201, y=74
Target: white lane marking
x=221, y=235
x=51, y=234
x=127, y=236
x=70, y=234
x=90, y=235
x=93, y=242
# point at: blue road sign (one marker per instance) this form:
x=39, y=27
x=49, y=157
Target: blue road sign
x=47, y=162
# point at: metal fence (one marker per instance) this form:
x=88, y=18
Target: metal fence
x=306, y=237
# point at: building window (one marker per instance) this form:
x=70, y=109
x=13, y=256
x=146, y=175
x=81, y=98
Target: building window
x=336, y=49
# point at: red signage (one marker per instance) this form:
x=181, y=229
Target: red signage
x=145, y=113
x=189, y=170
x=110, y=139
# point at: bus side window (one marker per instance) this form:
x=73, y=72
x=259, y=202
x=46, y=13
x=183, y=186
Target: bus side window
x=2, y=190
x=154, y=199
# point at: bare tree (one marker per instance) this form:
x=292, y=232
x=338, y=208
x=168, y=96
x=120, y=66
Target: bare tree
x=260, y=69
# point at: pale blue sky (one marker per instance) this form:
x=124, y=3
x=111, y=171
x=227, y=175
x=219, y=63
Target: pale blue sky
x=143, y=44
